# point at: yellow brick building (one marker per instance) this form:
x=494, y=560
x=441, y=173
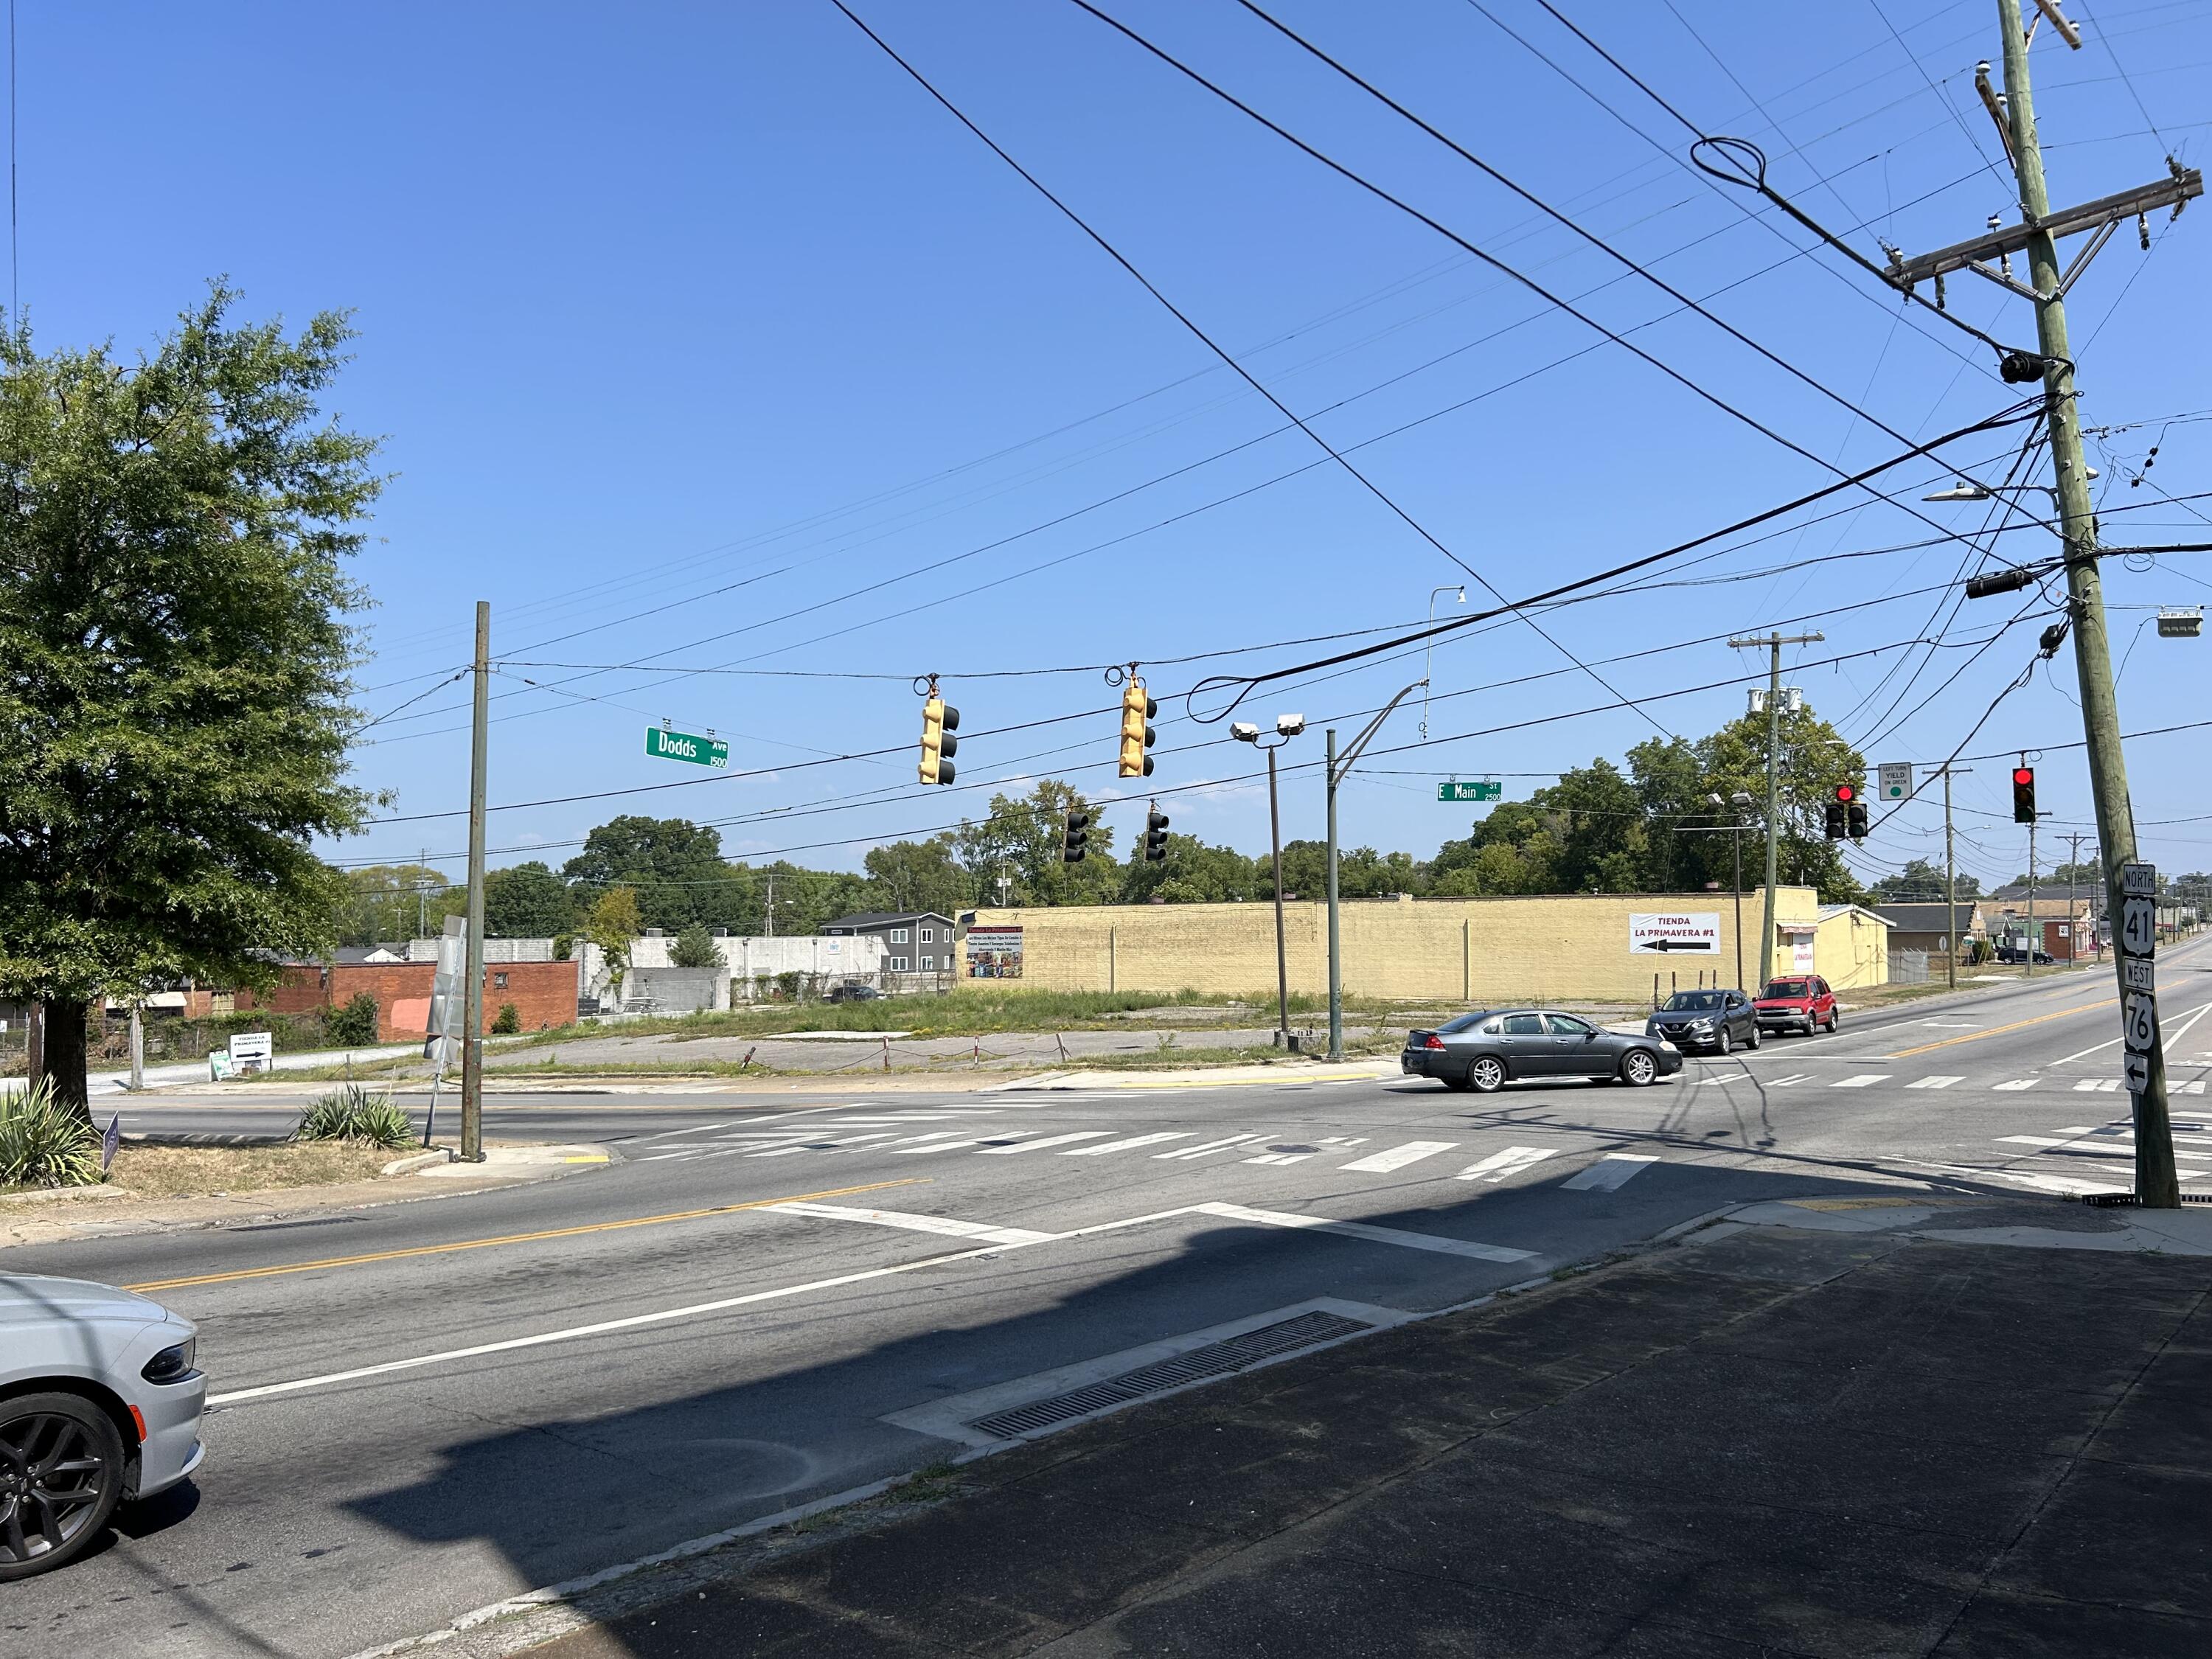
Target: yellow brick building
x=1552, y=948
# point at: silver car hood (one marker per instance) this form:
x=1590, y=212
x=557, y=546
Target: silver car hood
x=29, y=1299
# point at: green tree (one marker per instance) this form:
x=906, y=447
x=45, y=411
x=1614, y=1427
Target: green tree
x=2086, y=874
x=920, y=875
x=528, y=901
x=694, y=948
x=174, y=662
x=1194, y=873
x=397, y=902
x=1021, y=840
x=674, y=865
x=613, y=927
x=1922, y=881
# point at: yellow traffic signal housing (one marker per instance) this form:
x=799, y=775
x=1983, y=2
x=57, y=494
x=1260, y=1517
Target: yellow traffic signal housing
x=1137, y=735
x=939, y=720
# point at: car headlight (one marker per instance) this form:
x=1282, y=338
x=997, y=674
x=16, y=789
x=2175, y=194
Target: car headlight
x=172, y=1364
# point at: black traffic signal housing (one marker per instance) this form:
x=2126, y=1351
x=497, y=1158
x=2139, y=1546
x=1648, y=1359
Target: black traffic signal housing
x=1855, y=816
x=1077, y=837
x=1838, y=821
x=939, y=720
x=2023, y=794
x=1156, y=836
x=1136, y=734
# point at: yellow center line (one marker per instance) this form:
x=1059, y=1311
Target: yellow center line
x=1999, y=1031
x=514, y=1238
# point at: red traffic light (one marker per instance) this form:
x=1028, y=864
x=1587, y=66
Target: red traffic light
x=2023, y=777
x=1846, y=792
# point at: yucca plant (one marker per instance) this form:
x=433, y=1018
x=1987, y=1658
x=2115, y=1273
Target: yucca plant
x=43, y=1143
x=355, y=1114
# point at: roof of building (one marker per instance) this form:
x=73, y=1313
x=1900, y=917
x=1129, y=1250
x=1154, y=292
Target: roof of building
x=1926, y=918
x=866, y=919
x=1828, y=910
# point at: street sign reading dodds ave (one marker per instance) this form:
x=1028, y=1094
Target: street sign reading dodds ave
x=662, y=744
x=1486, y=789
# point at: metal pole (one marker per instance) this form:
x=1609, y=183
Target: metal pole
x=2031, y=935
x=1335, y=967
x=472, y=1022
x=1282, y=962
x=137, y=1050
x=2156, y=1185
x=1735, y=840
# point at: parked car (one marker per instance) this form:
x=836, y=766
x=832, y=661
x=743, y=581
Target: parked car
x=851, y=992
x=1802, y=1002
x=1484, y=1051
x=2019, y=953
x=1706, y=1020
x=99, y=1402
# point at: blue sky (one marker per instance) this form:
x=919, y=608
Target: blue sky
x=709, y=313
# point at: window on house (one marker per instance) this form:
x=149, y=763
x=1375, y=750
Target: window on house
x=898, y=935
x=929, y=936
x=928, y=963
x=898, y=964
x=499, y=982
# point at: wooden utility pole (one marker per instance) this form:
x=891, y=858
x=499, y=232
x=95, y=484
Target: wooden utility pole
x=1773, y=642
x=472, y=1019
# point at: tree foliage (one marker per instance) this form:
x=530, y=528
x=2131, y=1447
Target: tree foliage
x=528, y=901
x=173, y=660
x=1921, y=881
x=694, y=948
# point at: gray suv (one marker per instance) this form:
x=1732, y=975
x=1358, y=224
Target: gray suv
x=1706, y=1020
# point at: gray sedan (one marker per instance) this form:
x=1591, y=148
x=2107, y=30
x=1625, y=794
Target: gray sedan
x=1483, y=1052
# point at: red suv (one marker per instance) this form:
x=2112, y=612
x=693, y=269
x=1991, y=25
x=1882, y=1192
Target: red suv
x=1802, y=1002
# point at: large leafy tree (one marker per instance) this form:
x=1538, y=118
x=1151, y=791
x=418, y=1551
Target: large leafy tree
x=674, y=865
x=528, y=901
x=398, y=901
x=920, y=875
x=174, y=661
x=1922, y=880
x=1021, y=840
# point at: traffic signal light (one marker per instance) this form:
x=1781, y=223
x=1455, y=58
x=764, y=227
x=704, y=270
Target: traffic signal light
x=1156, y=836
x=1855, y=815
x=939, y=720
x=1137, y=710
x=1078, y=835
x=2023, y=794
x=1839, y=811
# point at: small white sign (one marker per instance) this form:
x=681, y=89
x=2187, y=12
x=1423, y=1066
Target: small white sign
x=2139, y=1021
x=251, y=1051
x=2136, y=972
x=2138, y=929
x=1897, y=780
x=2139, y=880
x=1680, y=934
x=2136, y=1070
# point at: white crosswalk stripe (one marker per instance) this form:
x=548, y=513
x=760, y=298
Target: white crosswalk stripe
x=1609, y=1174
x=1862, y=1080
x=2018, y=1083
x=1043, y=1141
x=1397, y=1158
x=1934, y=1082
x=1795, y=1077
x=1207, y=1149
x=1499, y=1165
x=2095, y=1085
x=1132, y=1142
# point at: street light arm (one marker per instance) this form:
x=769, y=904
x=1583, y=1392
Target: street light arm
x=1351, y=752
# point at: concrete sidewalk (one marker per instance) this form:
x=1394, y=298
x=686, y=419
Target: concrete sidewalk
x=1827, y=1432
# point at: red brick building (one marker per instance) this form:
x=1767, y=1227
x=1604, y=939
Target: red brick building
x=543, y=992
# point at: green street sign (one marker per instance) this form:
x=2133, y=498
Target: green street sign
x=1486, y=790
x=662, y=744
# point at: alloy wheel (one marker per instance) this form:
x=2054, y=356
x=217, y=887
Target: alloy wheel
x=55, y=1480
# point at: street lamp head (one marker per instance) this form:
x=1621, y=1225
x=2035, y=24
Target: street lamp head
x=1713, y=800
x=1244, y=731
x=1290, y=726
x=1960, y=491
x=1741, y=798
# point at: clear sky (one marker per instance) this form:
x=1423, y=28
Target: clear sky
x=703, y=337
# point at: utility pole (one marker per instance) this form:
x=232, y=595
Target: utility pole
x=768, y=920
x=421, y=896
x=1282, y=961
x=1773, y=642
x=473, y=1020
x=2032, y=936
x=2036, y=235
x=1334, y=770
x=1950, y=885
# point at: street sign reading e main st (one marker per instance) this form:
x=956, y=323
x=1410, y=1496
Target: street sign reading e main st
x=662, y=744
x=1486, y=789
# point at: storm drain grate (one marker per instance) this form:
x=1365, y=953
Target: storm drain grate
x=1215, y=1359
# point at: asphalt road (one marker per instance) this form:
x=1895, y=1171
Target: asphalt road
x=423, y=1408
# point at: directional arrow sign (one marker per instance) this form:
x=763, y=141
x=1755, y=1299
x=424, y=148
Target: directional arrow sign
x=662, y=744
x=1697, y=932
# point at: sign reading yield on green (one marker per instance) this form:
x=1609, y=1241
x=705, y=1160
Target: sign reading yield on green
x=662, y=744
x=1482, y=790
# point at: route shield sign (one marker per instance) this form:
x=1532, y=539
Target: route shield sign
x=662, y=744
x=2138, y=928
x=1897, y=779
x=1484, y=790
x=2139, y=1020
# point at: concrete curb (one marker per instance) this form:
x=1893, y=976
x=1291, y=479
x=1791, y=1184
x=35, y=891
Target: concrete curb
x=399, y=1166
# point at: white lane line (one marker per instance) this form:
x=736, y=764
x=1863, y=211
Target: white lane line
x=2172, y=1037
x=2096, y=1086
x=783, y=1292
x=1934, y=1082
x=2018, y=1082
x=1609, y=1174
x=1863, y=1079
x=2196, y=1088
x=1784, y=1082
x=1207, y=1148
x=1046, y=1140
x=1399, y=1157
x=1132, y=1142
x=695, y=1129
x=1397, y=1235
x=1279, y=1158
x=1499, y=1165
x=2124, y=1145
x=919, y=1223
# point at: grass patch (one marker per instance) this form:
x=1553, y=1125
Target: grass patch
x=205, y=1171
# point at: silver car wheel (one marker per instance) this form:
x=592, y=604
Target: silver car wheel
x=1640, y=1068
x=1487, y=1075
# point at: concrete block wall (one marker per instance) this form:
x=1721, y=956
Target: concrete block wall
x=1477, y=950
